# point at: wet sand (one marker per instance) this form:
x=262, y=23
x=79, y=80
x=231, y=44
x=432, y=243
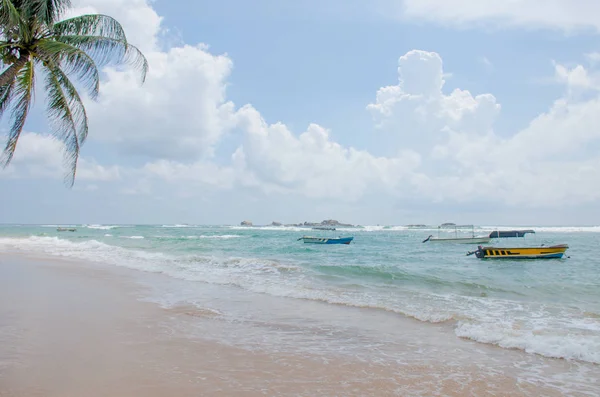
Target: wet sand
x=69, y=329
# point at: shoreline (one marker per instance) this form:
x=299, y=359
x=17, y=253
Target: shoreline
x=99, y=324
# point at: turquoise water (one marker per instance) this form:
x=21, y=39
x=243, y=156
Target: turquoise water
x=546, y=307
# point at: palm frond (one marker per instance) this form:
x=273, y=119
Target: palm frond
x=6, y=92
x=13, y=24
x=23, y=91
x=67, y=115
x=90, y=25
x=104, y=50
x=9, y=16
x=75, y=102
x=73, y=61
x=46, y=11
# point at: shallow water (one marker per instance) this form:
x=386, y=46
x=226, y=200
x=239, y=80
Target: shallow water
x=545, y=308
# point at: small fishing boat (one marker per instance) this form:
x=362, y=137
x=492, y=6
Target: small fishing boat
x=510, y=233
x=65, y=229
x=542, y=252
x=323, y=228
x=326, y=240
x=458, y=239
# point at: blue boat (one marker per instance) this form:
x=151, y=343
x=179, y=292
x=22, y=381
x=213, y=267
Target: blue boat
x=326, y=240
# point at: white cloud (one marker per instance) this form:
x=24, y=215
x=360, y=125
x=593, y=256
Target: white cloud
x=547, y=163
x=197, y=172
x=41, y=156
x=416, y=113
x=180, y=111
x=89, y=170
x=593, y=57
x=141, y=22
x=312, y=164
x=568, y=15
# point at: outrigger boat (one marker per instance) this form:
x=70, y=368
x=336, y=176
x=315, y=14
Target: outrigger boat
x=65, y=229
x=510, y=233
x=326, y=240
x=542, y=252
x=456, y=239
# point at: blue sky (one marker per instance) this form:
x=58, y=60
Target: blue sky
x=189, y=146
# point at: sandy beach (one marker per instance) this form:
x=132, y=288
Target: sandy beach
x=69, y=328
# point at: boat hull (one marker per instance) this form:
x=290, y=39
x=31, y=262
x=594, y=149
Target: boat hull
x=550, y=252
x=463, y=240
x=325, y=240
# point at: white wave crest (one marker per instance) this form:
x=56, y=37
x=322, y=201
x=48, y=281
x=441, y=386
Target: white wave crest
x=545, y=342
x=548, y=229
x=271, y=228
x=101, y=227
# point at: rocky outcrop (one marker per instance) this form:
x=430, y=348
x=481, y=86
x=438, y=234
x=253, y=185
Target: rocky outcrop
x=275, y=223
x=333, y=222
x=246, y=223
x=330, y=223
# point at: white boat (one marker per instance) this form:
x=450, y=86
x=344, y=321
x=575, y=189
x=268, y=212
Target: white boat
x=472, y=239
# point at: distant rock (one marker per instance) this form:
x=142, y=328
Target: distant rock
x=246, y=223
x=330, y=223
x=416, y=225
x=448, y=224
x=333, y=222
x=275, y=223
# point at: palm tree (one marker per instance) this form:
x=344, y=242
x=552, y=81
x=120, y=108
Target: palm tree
x=33, y=39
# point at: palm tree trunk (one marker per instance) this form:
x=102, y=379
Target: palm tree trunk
x=9, y=74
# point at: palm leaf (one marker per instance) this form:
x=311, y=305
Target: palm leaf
x=73, y=60
x=67, y=116
x=46, y=11
x=90, y=25
x=104, y=50
x=5, y=96
x=9, y=15
x=23, y=91
x=74, y=101
x=13, y=25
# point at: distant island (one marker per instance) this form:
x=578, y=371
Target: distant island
x=329, y=223
x=448, y=224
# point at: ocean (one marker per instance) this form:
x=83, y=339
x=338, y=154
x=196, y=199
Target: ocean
x=373, y=299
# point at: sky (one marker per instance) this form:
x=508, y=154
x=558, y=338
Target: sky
x=370, y=112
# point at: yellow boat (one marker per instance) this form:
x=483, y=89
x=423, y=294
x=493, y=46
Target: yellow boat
x=542, y=252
